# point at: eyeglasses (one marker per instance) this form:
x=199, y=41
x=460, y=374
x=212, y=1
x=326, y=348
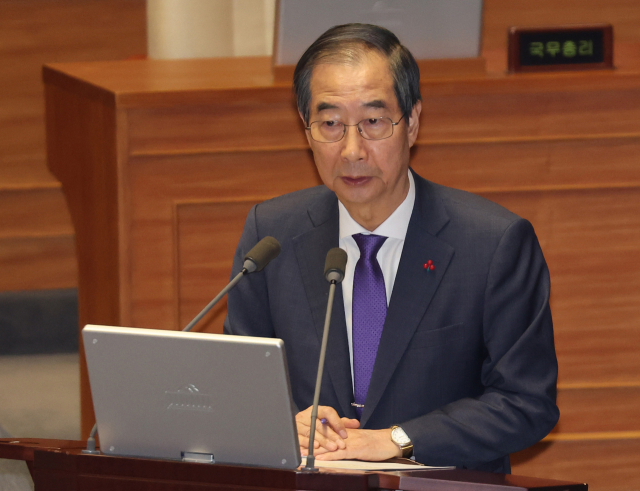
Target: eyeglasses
x=369, y=129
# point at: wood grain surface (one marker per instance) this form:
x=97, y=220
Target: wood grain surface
x=610, y=465
x=499, y=15
x=583, y=409
x=33, y=211
x=26, y=261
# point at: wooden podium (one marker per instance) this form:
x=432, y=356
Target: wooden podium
x=160, y=163
x=59, y=465
x=161, y=160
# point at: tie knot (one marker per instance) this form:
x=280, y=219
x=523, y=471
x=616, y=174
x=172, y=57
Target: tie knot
x=369, y=245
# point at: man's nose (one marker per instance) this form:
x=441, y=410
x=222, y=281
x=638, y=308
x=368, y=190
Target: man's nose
x=353, y=144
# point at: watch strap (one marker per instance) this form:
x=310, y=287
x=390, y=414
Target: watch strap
x=407, y=448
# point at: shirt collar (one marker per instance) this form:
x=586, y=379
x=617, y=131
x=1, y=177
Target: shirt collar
x=395, y=226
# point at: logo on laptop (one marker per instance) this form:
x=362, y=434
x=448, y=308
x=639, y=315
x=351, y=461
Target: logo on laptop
x=188, y=398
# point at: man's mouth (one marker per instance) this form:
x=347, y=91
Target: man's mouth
x=355, y=181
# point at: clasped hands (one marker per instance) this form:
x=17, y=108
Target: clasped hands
x=341, y=438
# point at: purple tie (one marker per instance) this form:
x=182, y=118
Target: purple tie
x=369, y=312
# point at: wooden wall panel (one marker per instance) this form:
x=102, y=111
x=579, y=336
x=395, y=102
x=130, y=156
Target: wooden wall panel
x=223, y=127
x=610, y=465
x=531, y=109
x=33, y=32
x=483, y=112
x=499, y=15
x=205, y=232
x=598, y=409
x=82, y=132
x=27, y=261
x=612, y=355
x=82, y=151
x=526, y=165
x=40, y=212
x=157, y=189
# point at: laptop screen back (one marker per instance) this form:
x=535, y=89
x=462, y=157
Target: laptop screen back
x=191, y=396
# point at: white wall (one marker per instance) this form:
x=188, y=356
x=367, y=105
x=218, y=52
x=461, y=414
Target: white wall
x=209, y=28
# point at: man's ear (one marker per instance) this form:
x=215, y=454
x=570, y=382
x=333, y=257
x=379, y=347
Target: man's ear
x=413, y=123
x=306, y=132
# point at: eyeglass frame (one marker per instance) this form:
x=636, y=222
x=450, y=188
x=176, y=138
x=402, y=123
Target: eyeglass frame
x=345, y=126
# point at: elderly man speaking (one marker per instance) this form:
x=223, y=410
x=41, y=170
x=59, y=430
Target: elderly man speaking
x=441, y=346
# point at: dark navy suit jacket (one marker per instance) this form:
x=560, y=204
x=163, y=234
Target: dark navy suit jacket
x=466, y=363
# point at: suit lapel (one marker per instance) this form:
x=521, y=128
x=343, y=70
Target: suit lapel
x=311, y=250
x=413, y=290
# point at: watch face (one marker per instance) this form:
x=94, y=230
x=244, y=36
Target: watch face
x=399, y=436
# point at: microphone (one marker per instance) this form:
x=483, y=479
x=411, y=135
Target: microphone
x=261, y=254
x=255, y=260
x=334, y=267
x=335, y=264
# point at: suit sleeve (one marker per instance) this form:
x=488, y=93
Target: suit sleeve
x=518, y=405
x=248, y=302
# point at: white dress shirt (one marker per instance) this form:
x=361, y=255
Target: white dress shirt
x=395, y=229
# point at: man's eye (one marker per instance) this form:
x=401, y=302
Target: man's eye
x=371, y=122
x=330, y=124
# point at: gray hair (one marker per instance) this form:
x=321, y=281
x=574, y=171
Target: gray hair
x=349, y=43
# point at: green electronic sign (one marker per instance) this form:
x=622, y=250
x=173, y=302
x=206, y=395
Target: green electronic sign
x=560, y=48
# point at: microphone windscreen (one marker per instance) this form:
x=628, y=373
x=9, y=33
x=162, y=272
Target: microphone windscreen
x=262, y=253
x=335, y=265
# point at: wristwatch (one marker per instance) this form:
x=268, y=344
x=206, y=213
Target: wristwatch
x=400, y=438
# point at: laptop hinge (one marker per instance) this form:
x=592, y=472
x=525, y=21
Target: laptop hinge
x=202, y=458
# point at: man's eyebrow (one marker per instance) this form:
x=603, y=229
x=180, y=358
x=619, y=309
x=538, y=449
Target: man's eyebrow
x=378, y=103
x=325, y=105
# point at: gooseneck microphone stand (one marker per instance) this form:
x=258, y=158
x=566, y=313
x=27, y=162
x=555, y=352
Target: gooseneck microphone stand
x=334, y=267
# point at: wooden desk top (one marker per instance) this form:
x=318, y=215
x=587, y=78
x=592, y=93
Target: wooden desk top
x=139, y=83
x=65, y=456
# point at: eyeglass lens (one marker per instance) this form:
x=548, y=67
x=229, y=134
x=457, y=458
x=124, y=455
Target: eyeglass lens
x=370, y=129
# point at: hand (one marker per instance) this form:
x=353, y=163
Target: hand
x=329, y=436
x=371, y=445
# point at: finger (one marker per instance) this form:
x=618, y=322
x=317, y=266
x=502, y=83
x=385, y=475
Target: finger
x=320, y=440
x=317, y=447
x=326, y=415
x=303, y=441
x=327, y=437
x=328, y=442
x=333, y=420
x=303, y=417
x=317, y=451
x=351, y=423
x=324, y=434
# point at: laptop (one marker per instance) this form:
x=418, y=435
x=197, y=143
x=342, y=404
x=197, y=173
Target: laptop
x=191, y=396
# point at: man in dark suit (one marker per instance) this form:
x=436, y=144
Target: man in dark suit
x=441, y=344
